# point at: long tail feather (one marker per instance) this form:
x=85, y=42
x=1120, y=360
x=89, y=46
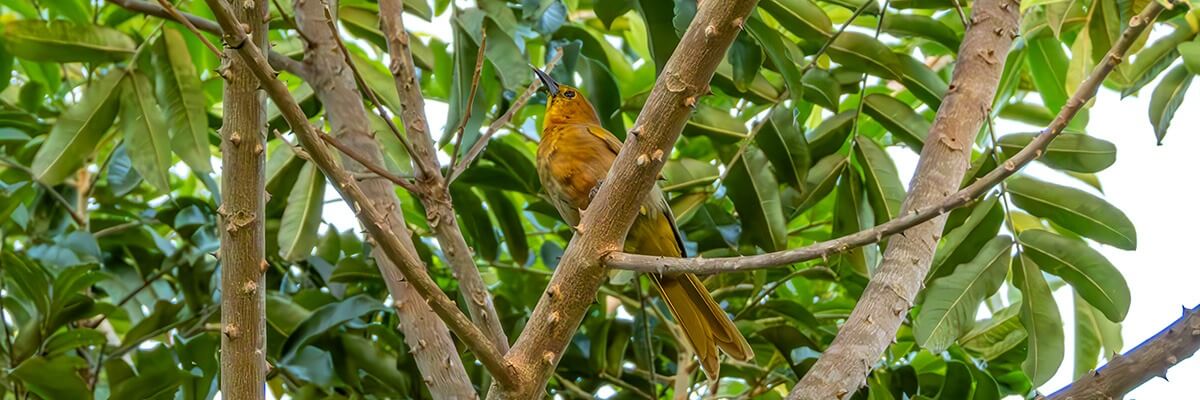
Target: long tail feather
x=705, y=324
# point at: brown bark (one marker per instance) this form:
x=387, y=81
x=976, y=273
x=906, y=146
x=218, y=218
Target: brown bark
x=434, y=191
x=434, y=351
x=242, y=214
x=844, y=366
x=366, y=211
x=604, y=224
x=1150, y=359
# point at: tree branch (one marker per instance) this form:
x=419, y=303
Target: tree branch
x=366, y=210
x=1152, y=358
x=604, y=224
x=1031, y=151
x=337, y=82
x=243, y=217
x=434, y=191
x=277, y=61
x=844, y=366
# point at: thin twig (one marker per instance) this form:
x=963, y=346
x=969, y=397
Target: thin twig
x=112, y=230
x=462, y=125
x=170, y=9
x=647, y=334
x=375, y=168
x=477, y=147
x=362, y=84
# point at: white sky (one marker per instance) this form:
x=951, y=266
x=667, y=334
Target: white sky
x=1148, y=182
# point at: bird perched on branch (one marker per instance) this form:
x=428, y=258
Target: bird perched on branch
x=573, y=158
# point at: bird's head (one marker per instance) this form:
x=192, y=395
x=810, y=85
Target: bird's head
x=566, y=104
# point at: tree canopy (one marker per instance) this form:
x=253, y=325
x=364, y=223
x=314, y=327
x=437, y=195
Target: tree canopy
x=110, y=207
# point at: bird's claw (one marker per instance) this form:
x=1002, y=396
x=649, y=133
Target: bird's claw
x=595, y=189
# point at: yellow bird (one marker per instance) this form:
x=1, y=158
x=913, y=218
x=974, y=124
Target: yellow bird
x=573, y=158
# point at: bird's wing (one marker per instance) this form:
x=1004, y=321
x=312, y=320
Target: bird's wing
x=607, y=137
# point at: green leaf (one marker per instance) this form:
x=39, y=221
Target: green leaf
x=145, y=128
x=1190, y=52
x=1155, y=58
x=1093, y=332
x=55, y=378
x=1092, y=276
x=828, y=137
x=1039, y=316
x=372, y=358
x=1168, y=96
x=849, y=216
x=755, y=194
x=353, y=270
x=997, y=335
x=379, y=80
x=178, y=89
x=302, y=218
x=801, y=17
x=477, y=223
x=325, y=318
x=509, y=217
x=951, y=302
x=63, y=41
x=885, y=192
x=1068, y=152
x=1047, y=63
x=821, y=88
x=660, y=29
x=783, y=54
x=898, y=118
x=913, y=25
x=715, y=123
x=1104, y=27
x=925, y=84
x=958, y=381
x=863, y=53
x=746, y=57
x=1074, y=209
x=76, y=135
x=68, y=340
x=165, y=313
x=822, y=178
x=781, y=139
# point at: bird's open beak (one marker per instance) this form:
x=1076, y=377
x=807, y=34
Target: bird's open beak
x=551, y=85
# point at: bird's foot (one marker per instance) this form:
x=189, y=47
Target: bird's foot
x=595, y=189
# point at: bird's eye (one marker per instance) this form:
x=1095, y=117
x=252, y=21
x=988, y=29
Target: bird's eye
x=569, y=94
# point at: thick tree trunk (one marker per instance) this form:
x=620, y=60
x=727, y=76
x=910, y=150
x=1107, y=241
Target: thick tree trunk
x=844, y=366
x=604, y=225
x=243, y=235
x=424, y=332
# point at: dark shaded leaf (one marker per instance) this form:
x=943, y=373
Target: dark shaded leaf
x=755, y=195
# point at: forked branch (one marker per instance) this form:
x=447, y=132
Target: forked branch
x=369, y=215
